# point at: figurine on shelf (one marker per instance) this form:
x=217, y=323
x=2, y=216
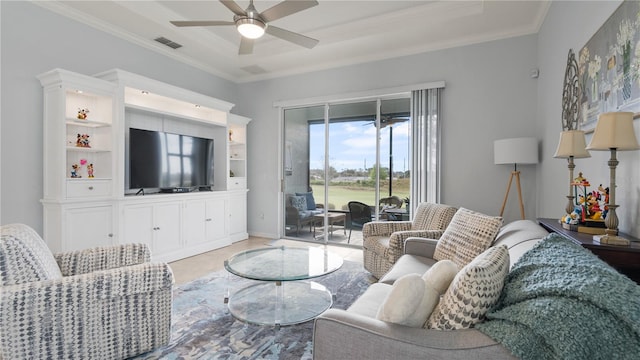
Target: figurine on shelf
x=74, y=171
x=82, y=113
x=574, y=217
x=593, y=206
x=82, y=140
x=605, y=194
x=90, y=170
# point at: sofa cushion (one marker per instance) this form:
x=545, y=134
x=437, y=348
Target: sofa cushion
x=299, y=202
x=469, y=234
x=474, y=290
x=407, y=264
x=24, y=257
x=369, y=302
x=440, y=275
x=311, y=202
x=402, y=302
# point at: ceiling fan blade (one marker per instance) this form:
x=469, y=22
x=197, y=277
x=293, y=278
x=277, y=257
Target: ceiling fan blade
x=201, y=23
x=290, y=36
x=246, y=46
x=231, y=5
x=287, y=7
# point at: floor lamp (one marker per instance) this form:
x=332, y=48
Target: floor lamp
x=571, y=146
x=515, y=151
x=614, y=132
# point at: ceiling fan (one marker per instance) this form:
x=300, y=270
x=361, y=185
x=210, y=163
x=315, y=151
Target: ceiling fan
x=252, y=25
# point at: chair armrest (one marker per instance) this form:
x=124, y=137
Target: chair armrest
x=384, y=228
x=420, y=246
x=397, y=240
x=102, y=258
x=104, y=284
x=340, y=334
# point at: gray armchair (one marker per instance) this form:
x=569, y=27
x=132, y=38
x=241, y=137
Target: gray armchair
x=383, y=241
x=101, y=303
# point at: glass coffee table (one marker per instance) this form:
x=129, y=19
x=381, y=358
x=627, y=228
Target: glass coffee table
x=281, y=297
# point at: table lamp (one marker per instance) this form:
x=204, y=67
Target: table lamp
x=614, y=132
x=571, y=146
x=515, y=151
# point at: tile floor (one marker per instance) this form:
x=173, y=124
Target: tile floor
x=191, y=268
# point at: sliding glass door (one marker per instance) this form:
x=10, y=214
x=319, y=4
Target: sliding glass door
x=340, y=161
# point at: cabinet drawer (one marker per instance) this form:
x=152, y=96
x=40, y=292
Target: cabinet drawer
x=89, y=188
x=237, y=183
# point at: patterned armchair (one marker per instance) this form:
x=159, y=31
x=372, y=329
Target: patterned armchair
x=383, y=241
x=101, y=303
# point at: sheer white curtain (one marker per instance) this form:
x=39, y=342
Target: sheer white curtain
x=425, y=147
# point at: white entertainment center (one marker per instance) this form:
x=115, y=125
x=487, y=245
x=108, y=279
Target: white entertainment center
x=87, y=201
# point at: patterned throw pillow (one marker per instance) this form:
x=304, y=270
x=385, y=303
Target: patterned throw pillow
x=473, y=291
x=311, y=202
x=299, y=202
x=469, y=234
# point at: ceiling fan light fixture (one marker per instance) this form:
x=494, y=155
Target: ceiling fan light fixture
x=250, y=28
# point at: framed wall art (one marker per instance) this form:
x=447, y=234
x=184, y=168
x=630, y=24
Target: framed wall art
x=609, y=66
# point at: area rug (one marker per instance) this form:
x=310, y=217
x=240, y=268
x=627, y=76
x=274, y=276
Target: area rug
x=203, y=328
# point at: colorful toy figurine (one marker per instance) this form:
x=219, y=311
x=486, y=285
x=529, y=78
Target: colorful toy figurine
x=74, y=171
x=605, y=194
x=82, y=113
x=574, y=217
x=82, y=140
x=593, y=206
x=90, y=170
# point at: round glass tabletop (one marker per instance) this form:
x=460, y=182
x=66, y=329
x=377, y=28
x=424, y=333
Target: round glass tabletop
x=283, y=263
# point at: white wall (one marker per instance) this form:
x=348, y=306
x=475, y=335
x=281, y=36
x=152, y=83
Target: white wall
x=489, y=95
x=570, y=25
x=35, y=40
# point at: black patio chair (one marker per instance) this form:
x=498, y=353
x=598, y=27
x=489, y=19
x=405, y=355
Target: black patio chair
x=360, y=214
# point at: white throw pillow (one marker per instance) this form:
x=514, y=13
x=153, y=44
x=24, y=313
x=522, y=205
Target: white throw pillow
x=440, y=275
x=430, y=300
x=473, y=291
x=402, y=301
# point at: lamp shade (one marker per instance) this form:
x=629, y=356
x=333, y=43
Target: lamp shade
x=572, y=143
x=614, y=130
x=516, y=151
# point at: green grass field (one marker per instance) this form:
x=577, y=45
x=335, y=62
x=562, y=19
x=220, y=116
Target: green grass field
x=340, y=195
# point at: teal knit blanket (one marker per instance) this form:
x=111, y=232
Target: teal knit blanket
x=561, y=302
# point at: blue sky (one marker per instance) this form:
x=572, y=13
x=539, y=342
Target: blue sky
x=353, y=143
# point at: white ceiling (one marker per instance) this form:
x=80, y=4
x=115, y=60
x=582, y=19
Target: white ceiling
x=350, y=32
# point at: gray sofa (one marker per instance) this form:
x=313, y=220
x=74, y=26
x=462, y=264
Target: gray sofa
x=559, y=301
x=355, y=333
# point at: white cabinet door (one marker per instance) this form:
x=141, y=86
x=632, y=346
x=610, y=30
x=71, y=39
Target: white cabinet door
x=205, y=221
x=167, y=228
x=195, y=225
x=216, y=220
x=157, y=225
x=238, y=217
x=138, y=224
x=88, y=227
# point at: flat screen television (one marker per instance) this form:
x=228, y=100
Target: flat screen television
x=169, y=161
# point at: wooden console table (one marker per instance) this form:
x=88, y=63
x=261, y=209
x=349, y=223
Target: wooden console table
x=625, y=259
